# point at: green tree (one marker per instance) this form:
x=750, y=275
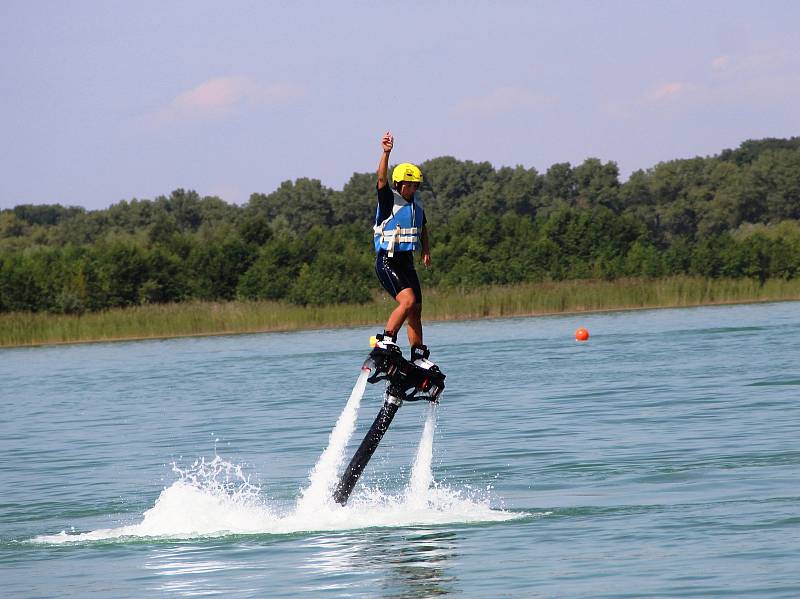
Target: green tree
x=330, y=279
x=598, y=184
x=295, y=207
x=355, y=204
x=274, y=271
x=216, y=267
x=560, y=186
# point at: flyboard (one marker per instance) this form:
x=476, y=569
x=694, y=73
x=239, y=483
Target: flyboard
x=406, y=381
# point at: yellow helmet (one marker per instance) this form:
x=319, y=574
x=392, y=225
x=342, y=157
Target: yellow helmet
x=406, y=172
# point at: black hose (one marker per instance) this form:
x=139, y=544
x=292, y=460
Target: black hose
x=364, y=452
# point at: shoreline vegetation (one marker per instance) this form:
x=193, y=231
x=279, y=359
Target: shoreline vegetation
x=160, y=321
x=686, y=232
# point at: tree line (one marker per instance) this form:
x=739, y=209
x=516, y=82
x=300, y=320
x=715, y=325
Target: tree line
x=734, y=214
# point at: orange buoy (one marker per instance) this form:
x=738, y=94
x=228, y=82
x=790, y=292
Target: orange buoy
x=581, y=334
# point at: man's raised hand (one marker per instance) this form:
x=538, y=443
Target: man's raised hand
x=387, y=142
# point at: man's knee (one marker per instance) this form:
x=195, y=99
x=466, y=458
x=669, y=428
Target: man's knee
x=407, y=299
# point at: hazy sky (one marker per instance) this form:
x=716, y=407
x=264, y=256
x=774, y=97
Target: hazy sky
x=109, y=100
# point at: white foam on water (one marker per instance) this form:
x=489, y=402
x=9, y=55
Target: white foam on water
x=323, y=477
x=215, y=498
x=210, y=498
x=422, y=473
x=186, y=511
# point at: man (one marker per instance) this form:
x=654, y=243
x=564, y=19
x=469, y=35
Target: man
x=400, y=229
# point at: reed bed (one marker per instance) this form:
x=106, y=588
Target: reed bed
x=214, y=318
x=593, y=296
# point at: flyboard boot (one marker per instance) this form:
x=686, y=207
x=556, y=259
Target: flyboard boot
x=384, y=340
x=406, y=381
x=419, y=357
x=411, y=380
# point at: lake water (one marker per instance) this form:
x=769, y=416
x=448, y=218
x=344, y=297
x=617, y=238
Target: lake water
x=659, y=459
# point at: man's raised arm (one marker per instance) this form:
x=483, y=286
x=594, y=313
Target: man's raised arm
x=383, y=166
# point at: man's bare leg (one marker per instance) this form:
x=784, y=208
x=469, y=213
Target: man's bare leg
x=406, y=300
x=414, y=328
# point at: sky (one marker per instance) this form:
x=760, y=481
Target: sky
x=103, y=101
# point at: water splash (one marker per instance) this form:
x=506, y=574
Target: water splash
x=216, y=498
x=323, y=477
x=215, y=508
x=210, y=498
x=220, y=478
x=422, y=473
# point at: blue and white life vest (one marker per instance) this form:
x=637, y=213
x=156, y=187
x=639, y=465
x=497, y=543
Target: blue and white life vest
x=401, y=231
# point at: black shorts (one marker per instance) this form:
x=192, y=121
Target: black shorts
x=398, y=273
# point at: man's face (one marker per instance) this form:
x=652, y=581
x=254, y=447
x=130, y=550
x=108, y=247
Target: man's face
x=407, y=190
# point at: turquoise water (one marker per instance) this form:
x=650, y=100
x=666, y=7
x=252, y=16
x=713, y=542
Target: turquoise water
x=661, y=458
